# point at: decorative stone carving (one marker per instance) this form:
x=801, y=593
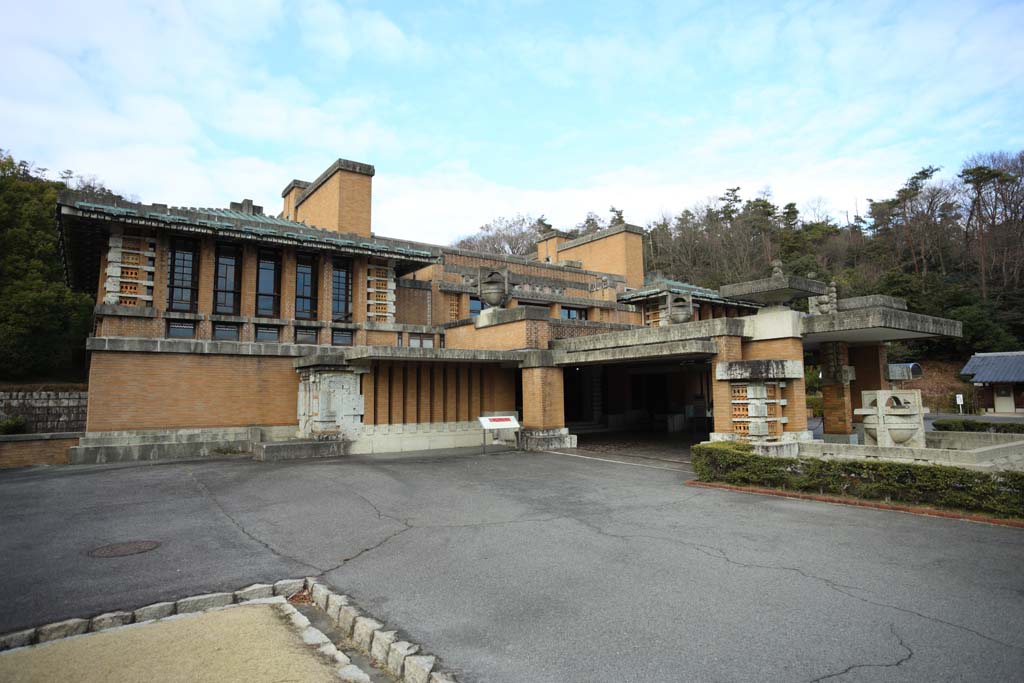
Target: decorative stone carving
x=330, y=403
x=893, y=418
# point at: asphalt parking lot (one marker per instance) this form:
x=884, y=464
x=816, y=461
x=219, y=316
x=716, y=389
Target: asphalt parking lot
x=537, y=567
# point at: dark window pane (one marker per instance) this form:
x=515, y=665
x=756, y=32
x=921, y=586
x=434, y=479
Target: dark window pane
x=341, y=290
x=305, y=335
x=183, y=275
x=341, y=337
x=266, y=333
x=225, y=332
x=268, y=284
x=227, y=285
x=305, y=287
x=181, y=330
x=574, y=313
x=474, y=307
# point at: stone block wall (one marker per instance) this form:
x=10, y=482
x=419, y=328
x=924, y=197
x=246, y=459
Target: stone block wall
x=46, y=411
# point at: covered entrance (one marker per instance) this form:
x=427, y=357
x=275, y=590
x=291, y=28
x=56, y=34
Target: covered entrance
x=662, y=398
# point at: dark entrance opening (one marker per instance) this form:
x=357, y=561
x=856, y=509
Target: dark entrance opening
x=667, y=399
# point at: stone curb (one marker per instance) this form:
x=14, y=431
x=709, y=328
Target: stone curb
x=387, y=651
x=196, y=605
x=400, y=658
x=910, y=509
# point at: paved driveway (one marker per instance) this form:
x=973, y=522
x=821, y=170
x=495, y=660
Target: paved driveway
x=538, y=567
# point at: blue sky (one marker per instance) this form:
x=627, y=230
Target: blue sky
x=472, y=110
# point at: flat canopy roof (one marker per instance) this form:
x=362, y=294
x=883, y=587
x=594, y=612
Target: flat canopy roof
x=869, y=325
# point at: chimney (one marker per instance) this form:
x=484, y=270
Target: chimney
x=338, y=200
x=247, y=207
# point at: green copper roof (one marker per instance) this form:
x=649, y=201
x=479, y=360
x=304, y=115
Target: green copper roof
x=254, y=225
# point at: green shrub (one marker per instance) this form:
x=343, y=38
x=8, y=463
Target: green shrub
x=956, y=425
x=999, y=493
x=816, y=405
x=13, y=425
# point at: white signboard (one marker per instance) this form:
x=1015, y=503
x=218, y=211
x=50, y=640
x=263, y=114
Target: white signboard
x=959, y=399
x=499, y=422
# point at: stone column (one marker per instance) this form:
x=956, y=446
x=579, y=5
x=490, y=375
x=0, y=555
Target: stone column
x=544, y=410
x=836, y=374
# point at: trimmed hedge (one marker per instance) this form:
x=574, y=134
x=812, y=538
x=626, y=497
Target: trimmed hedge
x=13, y=425
x=999, y=493
x=955, y=425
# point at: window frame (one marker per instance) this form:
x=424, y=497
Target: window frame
x=417, y=339
x=223, y=326
x=303, y=329
x=580, y=313
x=180, y=324
x=268, y=256
x=235, y=289
x=351, y=337
x=275, y=328
x=341, y=295
x=182, y=245
x=303, y=261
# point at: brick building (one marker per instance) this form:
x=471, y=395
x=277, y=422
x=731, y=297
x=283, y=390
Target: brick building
x=218, y=326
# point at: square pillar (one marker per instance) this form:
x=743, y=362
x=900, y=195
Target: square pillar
x=729, y=349
x=544, y=410
x=869, y=365
x=837, y=399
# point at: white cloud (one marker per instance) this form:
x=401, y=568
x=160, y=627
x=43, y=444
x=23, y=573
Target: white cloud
x=337, y=32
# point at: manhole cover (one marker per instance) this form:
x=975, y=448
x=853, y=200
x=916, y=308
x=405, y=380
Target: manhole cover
x=122, y=549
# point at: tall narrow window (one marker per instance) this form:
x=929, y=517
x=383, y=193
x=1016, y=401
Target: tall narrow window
x=227, y=287
x=183, y=278
x=268, y=284
x=305, y=287
x=341, y=290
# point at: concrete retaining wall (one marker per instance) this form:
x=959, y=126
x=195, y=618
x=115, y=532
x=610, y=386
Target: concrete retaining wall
x=22, y=450
x=46, y=412
x=1001, y=456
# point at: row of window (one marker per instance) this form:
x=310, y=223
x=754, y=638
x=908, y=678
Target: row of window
x=568, y=312
x=185, y=329
x=183, y=282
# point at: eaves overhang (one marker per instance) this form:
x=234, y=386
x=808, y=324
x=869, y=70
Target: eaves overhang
x=872, y=325
x=225, y=224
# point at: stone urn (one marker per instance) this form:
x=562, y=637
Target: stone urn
x=680, y=310
x=893, y=418
x=492, y=289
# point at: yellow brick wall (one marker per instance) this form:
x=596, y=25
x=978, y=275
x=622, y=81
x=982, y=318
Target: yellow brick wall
x=520, y=334
x=356, y=200
x=543, y=406
x=621, y=253
x=411, y=306
x=36, y=452
x=341, y=204
x=322, y=209
x=167, y=390
x=795, y=392
x=729, y=349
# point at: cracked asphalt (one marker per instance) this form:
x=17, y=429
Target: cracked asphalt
x=537, y=567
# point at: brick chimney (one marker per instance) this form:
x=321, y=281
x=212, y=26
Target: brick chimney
x=338, y=200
